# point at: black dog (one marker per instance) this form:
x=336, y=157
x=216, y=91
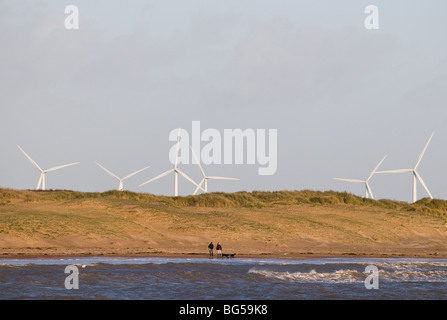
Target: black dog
x=226, y=255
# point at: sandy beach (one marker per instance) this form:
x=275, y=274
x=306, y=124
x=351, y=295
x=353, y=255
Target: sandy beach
x=106, y=226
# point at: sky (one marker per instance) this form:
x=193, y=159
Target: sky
x=340, y=96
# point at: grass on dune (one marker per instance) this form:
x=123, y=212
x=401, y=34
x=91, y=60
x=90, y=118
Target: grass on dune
x=255, y=199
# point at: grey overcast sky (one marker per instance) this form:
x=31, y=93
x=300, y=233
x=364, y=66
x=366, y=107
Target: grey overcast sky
x=341, y=96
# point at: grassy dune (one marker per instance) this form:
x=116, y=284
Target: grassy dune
x=282, y=223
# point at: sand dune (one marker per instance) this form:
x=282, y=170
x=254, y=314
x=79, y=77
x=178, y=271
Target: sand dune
x=36, y=224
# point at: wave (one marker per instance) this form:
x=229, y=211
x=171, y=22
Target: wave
x=353, y=276
x=339, y=276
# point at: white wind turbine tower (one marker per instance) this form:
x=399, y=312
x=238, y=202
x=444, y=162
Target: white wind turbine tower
x=121, y=180
x=416, y=175
x=41, y=183
x=368, y=191
x=176, y=171
x=205, y=177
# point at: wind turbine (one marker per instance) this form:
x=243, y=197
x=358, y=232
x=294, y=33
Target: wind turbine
x=368, y=191
x=416, y=175
x=121, y=180
x=41, y=183
x=205, y=177
x=176, y=171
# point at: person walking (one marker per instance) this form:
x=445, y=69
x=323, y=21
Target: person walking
x=219, y=249
x=211, y=247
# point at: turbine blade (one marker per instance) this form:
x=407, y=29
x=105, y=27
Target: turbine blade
x=222, y=178
x=423, y=151
x=375, y=169
x=423, y=183
x=199, y=186
x=396, y=171
x=134, y=173
x=31, y=160
x=350, y=180
x=197, y=160
x=109, y=172
x=60, y=167
x=187, y=177
x=158, y=177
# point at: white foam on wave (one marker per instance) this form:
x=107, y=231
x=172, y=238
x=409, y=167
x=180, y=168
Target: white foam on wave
x=355, y=276
x=339, y=276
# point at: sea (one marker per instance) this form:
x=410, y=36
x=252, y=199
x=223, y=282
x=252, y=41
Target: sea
x=201, y=279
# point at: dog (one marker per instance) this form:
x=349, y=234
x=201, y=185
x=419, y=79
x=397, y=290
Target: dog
x=227, y=255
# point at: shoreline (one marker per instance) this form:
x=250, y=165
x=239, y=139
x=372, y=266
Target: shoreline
x=204, y=255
